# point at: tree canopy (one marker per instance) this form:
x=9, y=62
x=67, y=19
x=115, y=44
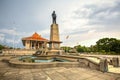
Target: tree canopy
x=1, y=47
x=108, y=45
x=104, y=45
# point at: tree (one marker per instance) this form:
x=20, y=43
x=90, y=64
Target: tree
x=80, y=48
x=93, y=48
x=66, y=49
x=115, y=46
x=102, y=44
x=108, y=45
x=1, y=47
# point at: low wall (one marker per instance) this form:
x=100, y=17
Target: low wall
x=77, y=62
x=18, y=64
x=88, y=63
x=83, y=62
x=18, y=52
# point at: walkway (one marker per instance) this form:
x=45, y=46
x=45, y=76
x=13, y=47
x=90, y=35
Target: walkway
x=61, y=73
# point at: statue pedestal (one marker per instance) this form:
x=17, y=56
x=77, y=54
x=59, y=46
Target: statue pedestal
x=54, y=43
x=54, y=52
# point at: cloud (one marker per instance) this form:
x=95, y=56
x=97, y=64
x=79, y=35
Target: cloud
x=91, y=21
x=88, y=42
x=9, y=31
x=99, y=14
x=89, y=38
x=13, y=41
x=10, y=36
x=44, y=33
x=2, y=36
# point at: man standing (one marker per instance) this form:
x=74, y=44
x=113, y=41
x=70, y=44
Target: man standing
x=54, y=17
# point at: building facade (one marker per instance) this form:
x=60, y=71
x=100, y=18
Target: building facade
x=35, y=42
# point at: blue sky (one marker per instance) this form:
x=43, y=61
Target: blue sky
x=85, y=21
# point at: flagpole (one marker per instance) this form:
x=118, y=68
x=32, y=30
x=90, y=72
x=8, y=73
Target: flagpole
x=67, y=46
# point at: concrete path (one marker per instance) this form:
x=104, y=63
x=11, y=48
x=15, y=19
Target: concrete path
x=61, y=73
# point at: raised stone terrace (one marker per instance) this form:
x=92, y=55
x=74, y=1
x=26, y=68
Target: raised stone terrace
x=57, y=73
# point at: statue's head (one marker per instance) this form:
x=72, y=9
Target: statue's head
x=53, y=11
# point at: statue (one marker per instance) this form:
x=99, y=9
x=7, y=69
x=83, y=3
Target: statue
x=54, y=17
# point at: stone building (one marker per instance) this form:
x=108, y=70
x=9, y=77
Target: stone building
x=35, y=42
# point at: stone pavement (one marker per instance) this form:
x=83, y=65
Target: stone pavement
x=61, y=73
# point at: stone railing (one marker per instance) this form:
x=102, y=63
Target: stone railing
x=18, y=64
x=74, y=62
x=18, y=51
x=88, y=63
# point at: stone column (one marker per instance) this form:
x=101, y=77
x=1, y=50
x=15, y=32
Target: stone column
x=54, y=37
x=103, y=65
x=54, y=34
x=27, y=44
x=38, y=45
x=115, y=61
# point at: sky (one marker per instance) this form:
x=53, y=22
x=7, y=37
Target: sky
x=84, y=21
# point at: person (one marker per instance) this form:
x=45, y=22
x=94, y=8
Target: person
x=54, y=17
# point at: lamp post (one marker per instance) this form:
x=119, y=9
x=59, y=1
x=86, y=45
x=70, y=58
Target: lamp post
x=66, y=46
x=14, y=41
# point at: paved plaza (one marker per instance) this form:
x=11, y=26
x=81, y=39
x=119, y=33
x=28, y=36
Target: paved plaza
x=61, y=73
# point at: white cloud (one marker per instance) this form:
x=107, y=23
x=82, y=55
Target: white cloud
x=91, y=31
x=88, y=42
x=83, y=12
x=45, y=32
x=89, y=38
x=9, y=31
x=2, y=36
x=13, y=41
x=90, y=21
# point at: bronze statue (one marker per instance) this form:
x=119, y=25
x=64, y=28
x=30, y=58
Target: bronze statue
x=54, y=17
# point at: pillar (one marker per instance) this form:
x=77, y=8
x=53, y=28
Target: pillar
x=115, y=61
x=34, y=45
x=27, y=44
x=54, y=34
x=54, y=37
x=31, y=44
x=38, y=45
x=103, y=65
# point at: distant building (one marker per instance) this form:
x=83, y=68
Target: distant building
x=34, y=42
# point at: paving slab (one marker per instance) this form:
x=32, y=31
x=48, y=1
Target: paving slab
x=54, y=75
x=39, y=74
x=57, y=73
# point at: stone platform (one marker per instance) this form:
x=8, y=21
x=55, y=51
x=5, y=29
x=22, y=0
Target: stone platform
x=58, y=73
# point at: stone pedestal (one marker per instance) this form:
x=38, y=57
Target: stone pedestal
x=115, y=61
x=54, y=43
x=103, y=65
x=54, y=32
